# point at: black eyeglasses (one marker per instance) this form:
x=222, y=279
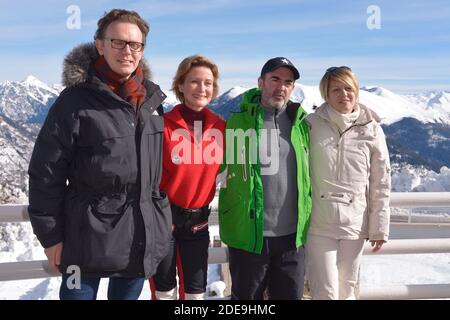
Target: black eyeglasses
x=120, y=44
x=332, y=69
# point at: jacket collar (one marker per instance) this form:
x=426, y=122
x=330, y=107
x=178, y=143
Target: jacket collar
x=78, y=70
x=366, y=115
x=250, y=104
x=175, y=116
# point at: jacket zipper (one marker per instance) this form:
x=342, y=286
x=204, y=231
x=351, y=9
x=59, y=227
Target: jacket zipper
x=305, y=168
x=199, y=227
x=355, y=125
x=338, y=171
x=253, y=211
x=252, y=172
x=244, y=165
x=276, y=126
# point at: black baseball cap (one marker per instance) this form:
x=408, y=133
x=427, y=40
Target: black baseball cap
x=279, y=62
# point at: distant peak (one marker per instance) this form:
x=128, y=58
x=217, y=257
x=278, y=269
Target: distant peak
x=32, y=80
x=237, y=88
x=371, y=88
x=233, y=92
x=378, y=91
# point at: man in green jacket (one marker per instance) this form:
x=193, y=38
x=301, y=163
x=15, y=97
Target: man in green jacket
x=265, y=197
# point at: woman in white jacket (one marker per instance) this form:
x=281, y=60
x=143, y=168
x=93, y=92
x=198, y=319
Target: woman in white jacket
x=350, y=175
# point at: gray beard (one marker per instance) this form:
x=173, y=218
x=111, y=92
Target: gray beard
x=275, y=106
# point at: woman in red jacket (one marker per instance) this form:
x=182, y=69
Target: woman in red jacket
x=192, y=154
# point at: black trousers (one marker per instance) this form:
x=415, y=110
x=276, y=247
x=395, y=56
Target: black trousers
x=280, y=268
x=188, y=254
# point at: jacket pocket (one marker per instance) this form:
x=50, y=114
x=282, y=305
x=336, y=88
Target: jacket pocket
x=108, y=233
x=107, y=164
x=348, y=208
x=162, y=224
x=334, y=207
x=339, y=197
x=226, y=205
x=353, y=214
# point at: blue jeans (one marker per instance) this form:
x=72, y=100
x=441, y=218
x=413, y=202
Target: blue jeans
x=118, y=289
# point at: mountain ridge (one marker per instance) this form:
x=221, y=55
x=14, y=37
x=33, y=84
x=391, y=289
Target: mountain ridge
x=426, y=117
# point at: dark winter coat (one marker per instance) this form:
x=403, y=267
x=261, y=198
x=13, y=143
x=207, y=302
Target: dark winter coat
x=95, y=174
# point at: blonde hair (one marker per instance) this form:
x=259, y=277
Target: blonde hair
x=340, y=74
x=186, y=65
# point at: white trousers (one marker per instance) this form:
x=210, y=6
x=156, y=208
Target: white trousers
x=332, y=267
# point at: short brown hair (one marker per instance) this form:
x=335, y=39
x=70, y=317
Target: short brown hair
x=340, y=74
x=121, y=15
x=186, y=65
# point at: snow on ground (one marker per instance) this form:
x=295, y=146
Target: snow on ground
x=48, y=288
x=405, y=269
x=410, y=179
x=376, y=271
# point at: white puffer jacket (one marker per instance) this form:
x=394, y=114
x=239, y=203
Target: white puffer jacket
x=350, y=175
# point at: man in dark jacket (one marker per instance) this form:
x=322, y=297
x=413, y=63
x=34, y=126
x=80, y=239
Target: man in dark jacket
x=95, y=171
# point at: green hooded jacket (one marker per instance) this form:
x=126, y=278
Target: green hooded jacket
x=241, y=203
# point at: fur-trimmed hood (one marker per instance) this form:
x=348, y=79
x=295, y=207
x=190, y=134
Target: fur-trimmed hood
x=77, y=63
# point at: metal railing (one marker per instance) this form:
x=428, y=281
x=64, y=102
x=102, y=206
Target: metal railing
x=40, y=269
x=19, y=213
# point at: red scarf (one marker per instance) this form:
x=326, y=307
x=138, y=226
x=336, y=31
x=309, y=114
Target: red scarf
x=132, y=90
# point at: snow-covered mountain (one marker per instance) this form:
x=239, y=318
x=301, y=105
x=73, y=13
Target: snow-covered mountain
x=23, y=108
x=170, y=100
x=422, y=118
x=431, y=107
x=417, y=129
x=227, y=96
x=27, y=101
x=413, y=142
x=16, y=144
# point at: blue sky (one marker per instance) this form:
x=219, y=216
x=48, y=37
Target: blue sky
x=409, y=53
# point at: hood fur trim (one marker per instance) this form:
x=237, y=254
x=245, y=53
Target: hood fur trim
x=77, y=62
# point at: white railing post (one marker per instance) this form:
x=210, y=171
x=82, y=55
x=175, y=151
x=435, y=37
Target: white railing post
x=411, y=246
